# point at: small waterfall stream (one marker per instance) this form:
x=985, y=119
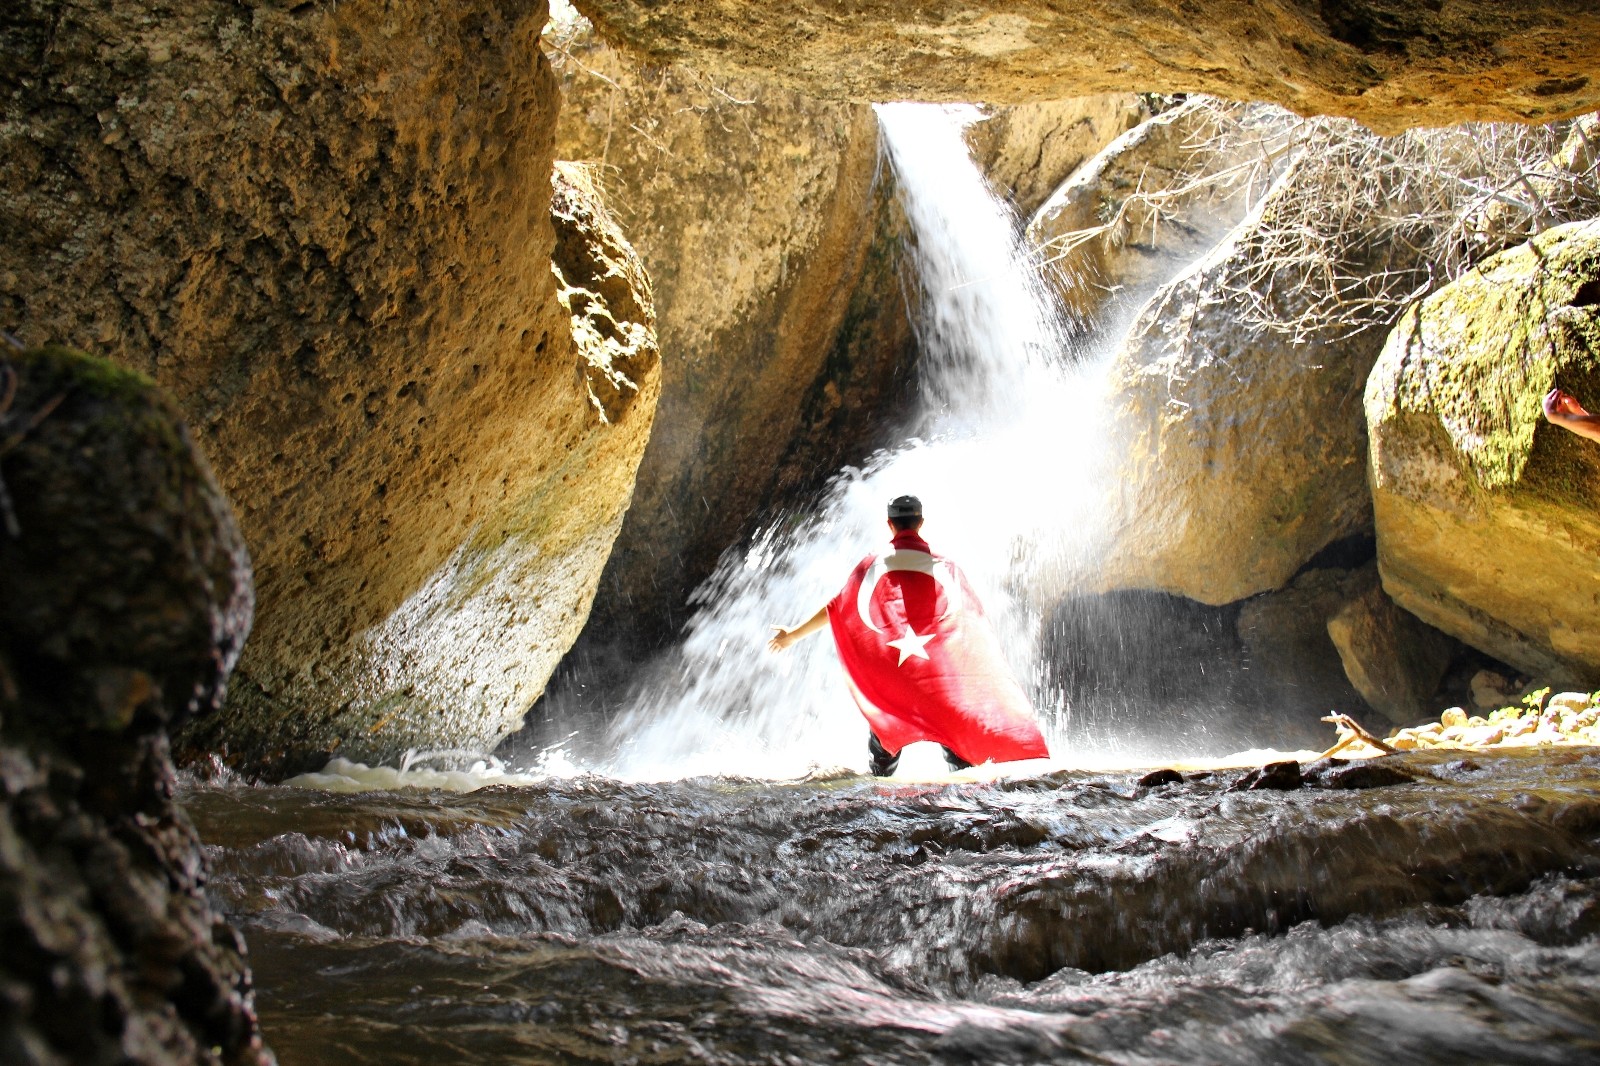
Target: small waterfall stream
x=1005, y=458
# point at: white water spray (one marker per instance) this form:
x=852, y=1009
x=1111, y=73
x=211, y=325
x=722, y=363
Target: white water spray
x=1006, y=461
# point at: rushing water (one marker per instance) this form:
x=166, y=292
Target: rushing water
x=1065, y=917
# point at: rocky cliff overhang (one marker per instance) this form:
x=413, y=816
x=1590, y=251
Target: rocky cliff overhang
x=1391, y=64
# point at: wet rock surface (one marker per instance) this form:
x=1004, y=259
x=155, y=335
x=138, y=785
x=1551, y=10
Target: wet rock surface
x=1067, y=917
x=124, y=598
x=1209, y=679
x=1388, y=63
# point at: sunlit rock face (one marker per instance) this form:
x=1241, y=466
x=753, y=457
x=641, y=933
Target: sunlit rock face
x=768, y=224
x=1105, y=244
x=1485, y=513
x=1027, y=150
x=327, y=229
x=1243, y=449
x=1389, y=63
x=124, y=598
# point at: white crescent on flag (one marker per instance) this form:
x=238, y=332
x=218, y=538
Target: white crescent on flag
x=906, y=559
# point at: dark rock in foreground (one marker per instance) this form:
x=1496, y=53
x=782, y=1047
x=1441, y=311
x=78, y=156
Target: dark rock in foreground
x=125, y=597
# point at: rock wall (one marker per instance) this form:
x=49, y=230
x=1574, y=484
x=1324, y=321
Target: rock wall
x=1486, y=519
x=1389, y=63
x=768, y=224
x=124, y=599
x=327, y=229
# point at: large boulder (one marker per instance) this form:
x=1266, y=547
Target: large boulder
x=1395, y=660
x=768, y=224
x=1486, y=518
x=1148, y=202
x=328, y=230
x=1242, y=451
x=1027, y=150
x=124, y=600
x=1388, y=63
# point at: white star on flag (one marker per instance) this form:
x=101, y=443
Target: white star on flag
x=911, y=644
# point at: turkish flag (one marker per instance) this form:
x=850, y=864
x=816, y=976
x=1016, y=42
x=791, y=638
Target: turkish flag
x=923, y=662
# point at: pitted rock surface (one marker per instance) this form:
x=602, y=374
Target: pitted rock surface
x=326, y=229
x=1389, y=63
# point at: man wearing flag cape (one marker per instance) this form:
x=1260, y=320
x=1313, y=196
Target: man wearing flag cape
x=921, y=658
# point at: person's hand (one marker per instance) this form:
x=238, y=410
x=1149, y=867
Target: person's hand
x=782, y=637
x=1558, y=404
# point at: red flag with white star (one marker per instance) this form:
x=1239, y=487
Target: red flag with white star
x=924, y=663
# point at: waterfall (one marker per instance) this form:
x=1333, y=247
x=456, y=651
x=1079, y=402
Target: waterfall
x=1004, y=456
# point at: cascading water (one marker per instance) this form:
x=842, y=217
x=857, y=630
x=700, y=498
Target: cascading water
x=1005, y=459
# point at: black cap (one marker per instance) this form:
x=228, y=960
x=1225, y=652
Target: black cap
x=905, y=507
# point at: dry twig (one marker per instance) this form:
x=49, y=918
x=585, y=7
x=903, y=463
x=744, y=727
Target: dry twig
x=1353, y=732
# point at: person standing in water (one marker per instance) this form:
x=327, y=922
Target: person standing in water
x=921, y=659
x=1564, y=410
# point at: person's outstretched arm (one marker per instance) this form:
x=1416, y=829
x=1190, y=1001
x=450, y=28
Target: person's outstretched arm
x=783, y=636
x=1565, y=411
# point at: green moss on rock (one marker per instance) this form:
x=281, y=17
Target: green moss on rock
x=1489, y=517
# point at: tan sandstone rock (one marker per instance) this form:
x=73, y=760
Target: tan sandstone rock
x=767, y=222
x=1134, y=213
x=1242, y=451
x=1486, y=520
x=327, y=230
x=1389, y=63
x=1027, y=150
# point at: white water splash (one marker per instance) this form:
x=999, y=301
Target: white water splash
x=1006, y=462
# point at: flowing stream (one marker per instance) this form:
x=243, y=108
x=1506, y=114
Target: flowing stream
x=1448, y=917
x=710, y=883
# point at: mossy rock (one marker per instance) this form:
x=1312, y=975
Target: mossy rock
x=1488, y=517
x=125, y=589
